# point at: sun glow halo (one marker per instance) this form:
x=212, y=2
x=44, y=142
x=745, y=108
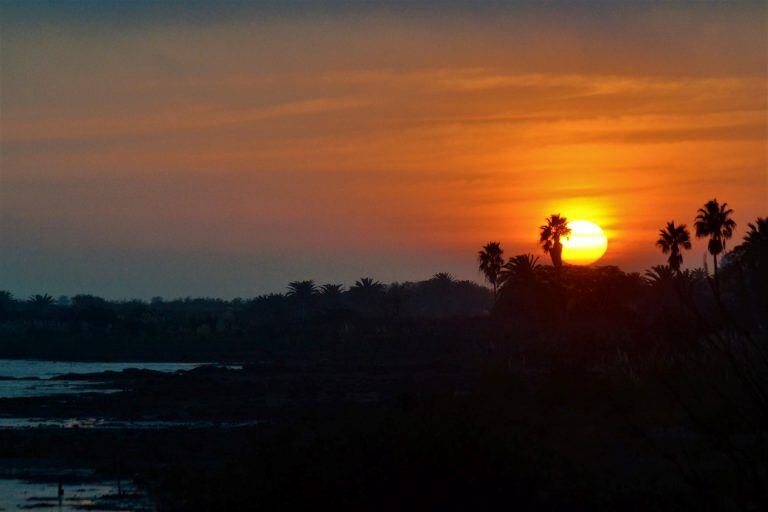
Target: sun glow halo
x=586, y=245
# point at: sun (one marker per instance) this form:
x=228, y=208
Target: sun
x=586, y=245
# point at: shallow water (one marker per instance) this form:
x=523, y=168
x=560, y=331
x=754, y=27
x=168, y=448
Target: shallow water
x=101, y=423
x=24, y=368
x=44, y=370
x=16, y=494
x=28, y=388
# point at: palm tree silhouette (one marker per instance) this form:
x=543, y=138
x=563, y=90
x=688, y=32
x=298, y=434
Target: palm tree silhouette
x=754, y=249
x=491, y=259
x=301, y=290
x=696, y=275
x=444, y=278
x=441, y=285
x=368, y=285
x=757, y=233
x=520, y=269
x=332, y=290
x=671, y=240
x=367, y=290
x=367, y=295
x=41, y=300
x=659, y=275
x=332, y=295
x=713, y=221
x=556, y=227
x=41, y=303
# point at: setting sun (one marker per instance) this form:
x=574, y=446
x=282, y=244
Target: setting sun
x=586, y=245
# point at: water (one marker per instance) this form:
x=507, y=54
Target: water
x=44, y=370
x=17, y=494
x=25, y=368
x=110, y=424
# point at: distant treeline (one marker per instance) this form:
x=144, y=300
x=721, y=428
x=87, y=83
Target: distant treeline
x=305, y=309
x=604, y=305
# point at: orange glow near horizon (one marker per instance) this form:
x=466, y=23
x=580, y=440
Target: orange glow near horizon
x=367, y=142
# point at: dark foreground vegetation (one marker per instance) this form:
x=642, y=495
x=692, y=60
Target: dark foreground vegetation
x=86, y=327
x=582, y=389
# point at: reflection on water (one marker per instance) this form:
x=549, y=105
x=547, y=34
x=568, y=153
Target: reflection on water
x=29, y=388
x=23, y=368
x=101, y=423
x=37, y=381
x=44, y=370
x=18, y=494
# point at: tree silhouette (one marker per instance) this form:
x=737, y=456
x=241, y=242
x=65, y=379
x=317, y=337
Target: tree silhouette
x=332, y=290
x=6, y=297
x=332, y=295
x=757, y=234
x=41, y=304
x=443, y=278
x=6, y=301
x=520, y=269
x=367, y=296
x=659, y=275
x=87, y=301
x=713, y=221
x=672, y=239
x=753, y=251
x=491, y=259
x=41, y=300
x=697, y=275
x=556, y=227
x=301, y=290
x=302, y=294
x=396, y=295
x=368, y=286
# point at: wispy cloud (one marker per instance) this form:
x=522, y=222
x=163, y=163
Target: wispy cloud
x=358, y=133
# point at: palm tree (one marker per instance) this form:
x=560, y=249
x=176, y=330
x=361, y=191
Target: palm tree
x=443, y=278
x=491, y=259
x=520, y=269
x=697, y=275
x=332, y=295
x=439, y=287
x=659, y=275
x=367, y=296
x=671, y=240
x=41, y=300
x=757, y=233
x=332, y=290
x=556, y=227
x=302, y=294
x=40, y=303
x=754, y=249
x=301, y=290
x=368, y=286
x=713, y=221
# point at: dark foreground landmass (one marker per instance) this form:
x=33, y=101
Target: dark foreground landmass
x=583, y=389
x=471, y=428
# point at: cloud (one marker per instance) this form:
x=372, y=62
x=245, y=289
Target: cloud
x=376, y=134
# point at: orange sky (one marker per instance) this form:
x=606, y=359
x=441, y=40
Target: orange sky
x=227, y=153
